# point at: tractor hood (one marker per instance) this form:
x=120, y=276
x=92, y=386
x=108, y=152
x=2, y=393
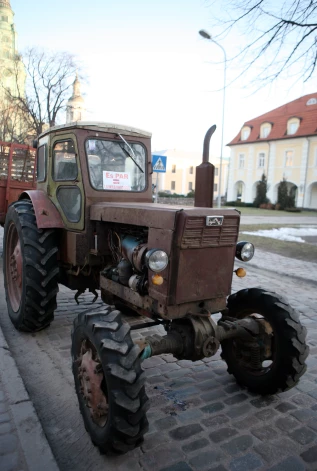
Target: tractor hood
x=160, y=216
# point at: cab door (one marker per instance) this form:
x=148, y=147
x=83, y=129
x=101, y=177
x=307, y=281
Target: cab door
x=66, y=187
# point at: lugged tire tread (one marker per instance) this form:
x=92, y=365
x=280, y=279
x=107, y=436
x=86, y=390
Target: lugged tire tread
x=35, y=244
x=125, y=384
x=128, y=361
x=133, y=390
x=292, y=335
x=40, y=269
x=53, y=273
x=126, y=402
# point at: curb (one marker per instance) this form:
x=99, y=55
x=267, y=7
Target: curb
x=36, y=449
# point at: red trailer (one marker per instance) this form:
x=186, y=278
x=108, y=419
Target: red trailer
x=17, y=173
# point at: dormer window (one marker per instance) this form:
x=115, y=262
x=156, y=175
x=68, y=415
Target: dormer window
x=312, y=101
x=265, y=130
x=292, y=125
x=245, y=133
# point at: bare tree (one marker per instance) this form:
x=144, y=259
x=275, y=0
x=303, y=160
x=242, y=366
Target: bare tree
x=281, y=37
x=49, y=78
x=15, y=125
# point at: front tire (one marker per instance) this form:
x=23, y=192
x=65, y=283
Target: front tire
x=276, y=360
x=30, y=269
x=109, y=381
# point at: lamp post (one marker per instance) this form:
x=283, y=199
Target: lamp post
x=206, y=35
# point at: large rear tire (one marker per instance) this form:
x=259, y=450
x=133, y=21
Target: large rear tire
x=109, y=381
x=30, y=269
x=276, y=361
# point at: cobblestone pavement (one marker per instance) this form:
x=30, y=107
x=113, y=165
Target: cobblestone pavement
x=284, y=266
x=23, y=445
x=11, y=454
x=200, y=419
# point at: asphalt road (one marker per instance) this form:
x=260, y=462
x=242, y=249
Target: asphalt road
x=199, y=418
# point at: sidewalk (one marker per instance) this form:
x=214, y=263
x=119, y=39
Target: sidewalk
x=23, y=444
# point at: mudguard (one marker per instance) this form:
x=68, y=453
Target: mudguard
x=46, y=213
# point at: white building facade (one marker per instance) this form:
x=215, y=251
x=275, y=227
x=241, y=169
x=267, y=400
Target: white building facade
x=181, y=172
x=281, y=144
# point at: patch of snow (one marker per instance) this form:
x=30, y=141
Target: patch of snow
x=289, y=234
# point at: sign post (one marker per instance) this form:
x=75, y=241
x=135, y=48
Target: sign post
x=159, y=166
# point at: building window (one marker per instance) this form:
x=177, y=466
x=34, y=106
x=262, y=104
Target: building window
x=245, y=133
x=265, y=130
x=215, y=187
x=191, y=170
x=315, y=163
x=312, y=101
x=241, y=160
x=216, y=172
x=239, y=186
x=190, y=186
x=261, y=161
x=173, y=168
x=5, y=18
x=172, y=185
x=289, y=158
x=292, y=126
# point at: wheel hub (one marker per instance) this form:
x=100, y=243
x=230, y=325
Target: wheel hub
x=16, y=264
x=14, y=267
x=253, y=354
x=90, y=374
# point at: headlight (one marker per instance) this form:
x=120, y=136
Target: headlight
x=156, y=260
x=244, y=251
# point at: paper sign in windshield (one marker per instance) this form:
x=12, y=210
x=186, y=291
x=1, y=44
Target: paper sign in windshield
x=116, y=181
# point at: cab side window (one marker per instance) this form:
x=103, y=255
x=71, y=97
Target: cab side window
x=69, y=198
x=41, y=164
x=64, y=161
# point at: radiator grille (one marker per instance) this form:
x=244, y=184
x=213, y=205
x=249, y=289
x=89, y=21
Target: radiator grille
x=197, y=234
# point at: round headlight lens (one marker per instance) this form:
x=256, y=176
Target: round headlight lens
x=156, y=260
x=244, y=251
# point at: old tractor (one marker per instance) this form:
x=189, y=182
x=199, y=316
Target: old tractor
x=91, y=224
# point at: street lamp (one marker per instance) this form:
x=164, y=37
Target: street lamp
x=206, y=35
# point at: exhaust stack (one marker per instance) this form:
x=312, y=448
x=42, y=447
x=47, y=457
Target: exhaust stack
x=205, y=173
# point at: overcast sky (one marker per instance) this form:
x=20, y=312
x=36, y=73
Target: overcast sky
x=148, y=67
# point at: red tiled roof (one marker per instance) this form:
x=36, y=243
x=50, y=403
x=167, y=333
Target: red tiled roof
x=279, y=117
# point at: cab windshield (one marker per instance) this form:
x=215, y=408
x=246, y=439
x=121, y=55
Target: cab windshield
x=115, y=165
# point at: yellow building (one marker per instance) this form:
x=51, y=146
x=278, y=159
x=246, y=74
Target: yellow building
x=13, y=126
x=282, y=144
x=12, y=73
x=181, y=172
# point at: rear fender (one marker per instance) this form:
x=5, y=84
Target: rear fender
x=46, y=213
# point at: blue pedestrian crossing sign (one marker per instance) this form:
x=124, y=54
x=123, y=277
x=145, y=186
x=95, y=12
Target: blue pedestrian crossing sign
x=159, y=163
